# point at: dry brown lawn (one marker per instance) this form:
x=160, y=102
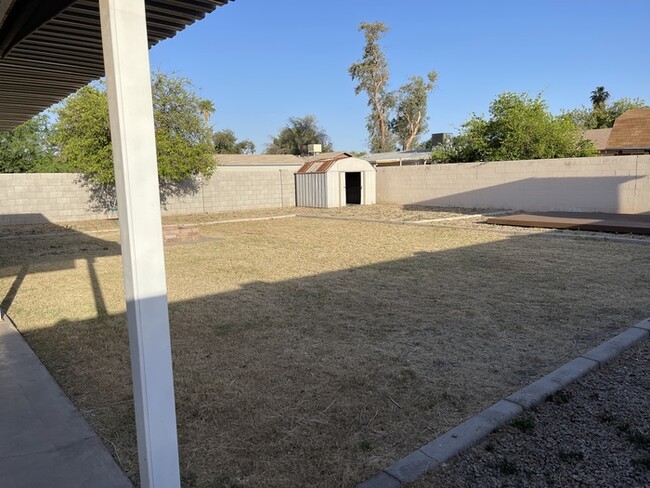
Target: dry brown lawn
x=315, y=352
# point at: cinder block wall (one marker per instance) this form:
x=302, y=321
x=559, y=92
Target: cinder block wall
x=36, y=198
x=601, y=184
x=238, y=190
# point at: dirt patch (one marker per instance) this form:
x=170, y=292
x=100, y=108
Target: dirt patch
x=316, y=352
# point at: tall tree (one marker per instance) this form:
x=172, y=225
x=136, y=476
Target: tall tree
x=599, y=98
x=27, y=149
x=225, y=142
x=299, y=132
x=411, y=118
x=207, y=109
x=183, y=138
x=373, y=75
x=588, y=118
x=519, y=127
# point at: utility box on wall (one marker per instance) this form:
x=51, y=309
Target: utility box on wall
x=335, y=180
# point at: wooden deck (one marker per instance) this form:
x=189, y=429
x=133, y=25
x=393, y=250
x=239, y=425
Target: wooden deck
x=598, y=222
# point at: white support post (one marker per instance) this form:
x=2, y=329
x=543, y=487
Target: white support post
x=126, y=59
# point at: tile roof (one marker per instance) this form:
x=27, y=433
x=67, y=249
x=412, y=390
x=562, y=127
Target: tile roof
x=598, y=137
x=631, y=130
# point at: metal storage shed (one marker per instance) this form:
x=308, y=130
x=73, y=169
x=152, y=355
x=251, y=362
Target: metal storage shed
x=336, y=180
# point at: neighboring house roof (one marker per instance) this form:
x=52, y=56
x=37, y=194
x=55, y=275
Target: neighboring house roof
x=397, y=156
x=257, y=159
x=598, y=137
x=50, y=48
x=327, y=156
x=631, y=130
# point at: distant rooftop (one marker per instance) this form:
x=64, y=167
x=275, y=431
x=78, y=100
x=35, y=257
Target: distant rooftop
x=396, y=156
x=258, y=159
x=326, y=156
x=631, y=130
x=598, y=137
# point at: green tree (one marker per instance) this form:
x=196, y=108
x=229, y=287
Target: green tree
x=299, y=132
x=183, y=137
x=588, y=118
x=519, y=127
x=26, y=149
x=411, y=117
x=373, y=75
x=207, y=109
x=599, y=98
x=225, y=142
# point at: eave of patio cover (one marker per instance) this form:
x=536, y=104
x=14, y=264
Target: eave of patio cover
x=65, y=52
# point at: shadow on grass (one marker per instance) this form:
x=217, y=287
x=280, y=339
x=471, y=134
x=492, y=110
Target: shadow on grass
x=29, y=252
x=324, y=379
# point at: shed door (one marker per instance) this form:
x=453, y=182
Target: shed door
x=353, y=188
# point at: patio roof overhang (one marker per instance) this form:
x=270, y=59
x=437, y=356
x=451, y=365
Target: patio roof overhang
x=51, y=48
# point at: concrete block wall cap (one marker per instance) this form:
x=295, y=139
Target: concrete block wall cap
x=381, y=480
x=644, y=324
x=616, y=345
x=536, y=392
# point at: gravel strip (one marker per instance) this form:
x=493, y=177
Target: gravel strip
x=595, y=432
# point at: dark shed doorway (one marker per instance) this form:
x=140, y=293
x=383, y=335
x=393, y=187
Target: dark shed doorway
x=353, y=188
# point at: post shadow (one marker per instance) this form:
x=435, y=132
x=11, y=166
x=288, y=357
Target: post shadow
x=52, y=258
x=100, y=304
x=13, y=290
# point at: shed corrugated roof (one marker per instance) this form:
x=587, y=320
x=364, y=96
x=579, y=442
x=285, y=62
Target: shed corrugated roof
x=631, y=130
x=49, y=60
x=322, y=163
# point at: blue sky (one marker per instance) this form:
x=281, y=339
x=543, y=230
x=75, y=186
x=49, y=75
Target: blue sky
x=263, y=61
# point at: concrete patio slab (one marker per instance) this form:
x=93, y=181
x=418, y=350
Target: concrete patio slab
x=44, y=440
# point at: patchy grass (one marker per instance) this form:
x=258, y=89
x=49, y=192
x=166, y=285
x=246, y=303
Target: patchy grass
x=568, y=456
x=561, y=397
x=641, y=463
x=315, y=352
x=524, y=423
x=507, y=467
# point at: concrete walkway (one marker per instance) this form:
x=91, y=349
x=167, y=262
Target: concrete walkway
x=44, y=440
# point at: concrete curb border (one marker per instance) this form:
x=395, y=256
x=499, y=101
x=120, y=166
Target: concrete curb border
x=473, y=430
